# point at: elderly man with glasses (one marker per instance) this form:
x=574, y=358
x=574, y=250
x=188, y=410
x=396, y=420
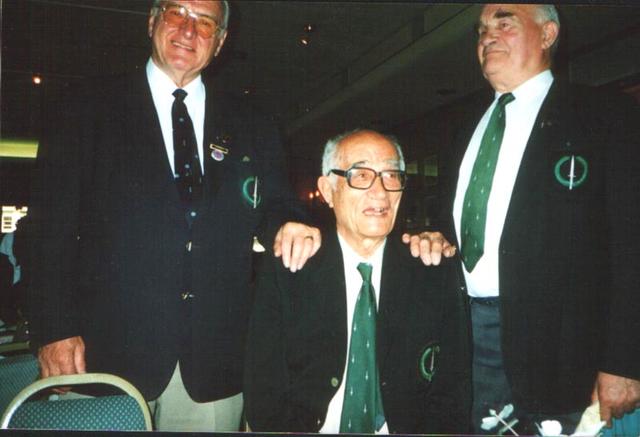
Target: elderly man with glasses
x=151, y=188
x=365, y=338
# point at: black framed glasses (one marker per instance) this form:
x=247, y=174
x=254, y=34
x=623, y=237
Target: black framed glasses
x=362, y=178
x=177, y=15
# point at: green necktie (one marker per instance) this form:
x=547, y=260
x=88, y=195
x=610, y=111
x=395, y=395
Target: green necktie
x=362, y=407
x=474, y=209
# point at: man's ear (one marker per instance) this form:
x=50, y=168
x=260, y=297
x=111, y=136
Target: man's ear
x=326, y=189
x=550, y=31
x=152, y=20
x=220, y=43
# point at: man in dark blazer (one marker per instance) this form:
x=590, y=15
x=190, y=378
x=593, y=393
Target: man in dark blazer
x=559, y=275
x=132, y=279
x=301, y=331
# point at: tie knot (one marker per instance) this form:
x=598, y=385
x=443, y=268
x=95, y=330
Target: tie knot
x=180, y=94
x=365, y=270
x=505, y=99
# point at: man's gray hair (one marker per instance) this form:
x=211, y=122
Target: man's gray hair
x=544, y=13
x=330, y=155
x=157, y=4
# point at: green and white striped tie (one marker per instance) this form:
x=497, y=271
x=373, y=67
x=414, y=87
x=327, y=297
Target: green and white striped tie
x=474, y=209
x=362, y=410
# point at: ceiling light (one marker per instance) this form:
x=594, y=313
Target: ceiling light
x=37, y=80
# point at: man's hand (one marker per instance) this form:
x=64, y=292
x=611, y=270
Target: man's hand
x=617, y=395
x=63, y=357
x=296, y=243
x=429, y=246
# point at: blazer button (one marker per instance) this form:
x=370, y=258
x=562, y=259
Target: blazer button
x=335, y=382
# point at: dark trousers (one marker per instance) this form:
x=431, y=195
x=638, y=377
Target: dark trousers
x=491, y=388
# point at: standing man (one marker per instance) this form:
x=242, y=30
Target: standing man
x=150, y=189
x=364, y=339
x=543, y=202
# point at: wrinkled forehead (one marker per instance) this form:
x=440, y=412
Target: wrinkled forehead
x=367, y=150
x=499, y=11
x=206, y=7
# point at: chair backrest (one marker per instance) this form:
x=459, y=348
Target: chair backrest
x=126, y=412
x=16, y=372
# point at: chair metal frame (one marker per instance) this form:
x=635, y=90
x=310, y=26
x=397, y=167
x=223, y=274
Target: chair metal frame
x=79, y=379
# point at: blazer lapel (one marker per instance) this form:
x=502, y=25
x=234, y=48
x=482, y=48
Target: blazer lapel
x=394, y=283
x=529, y=187
x=216, y=138
x=147, y=145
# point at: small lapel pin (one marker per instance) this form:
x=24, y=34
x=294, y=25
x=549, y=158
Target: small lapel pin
x=218, y=152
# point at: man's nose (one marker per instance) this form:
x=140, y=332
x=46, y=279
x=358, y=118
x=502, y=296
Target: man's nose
x=377, y=189
x=188, y=27
x=487, y=37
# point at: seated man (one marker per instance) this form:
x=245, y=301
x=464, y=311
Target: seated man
x=365, y=338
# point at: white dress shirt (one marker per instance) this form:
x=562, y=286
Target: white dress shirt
x=353, y=281
x=521, y=114
x=162, y=88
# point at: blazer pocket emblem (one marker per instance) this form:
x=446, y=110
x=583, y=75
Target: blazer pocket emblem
x=250, y=192
x=428, y=361
x=571, y=171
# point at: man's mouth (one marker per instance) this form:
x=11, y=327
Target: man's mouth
x=182, y=46
x=373, y=212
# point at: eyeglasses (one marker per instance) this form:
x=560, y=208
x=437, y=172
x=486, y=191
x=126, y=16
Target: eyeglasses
x=177, y=15
x=362, y=178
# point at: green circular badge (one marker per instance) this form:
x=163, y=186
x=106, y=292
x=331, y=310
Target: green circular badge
x=427, y=362
x=250, y=192
x=578, y=170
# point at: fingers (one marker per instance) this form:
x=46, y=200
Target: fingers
x=277, y=244
x=431, y=251
x=63, y=357
x=605, y=413
x=78, y=358
x=617, y=395
x=429, y=246
x=296, y=243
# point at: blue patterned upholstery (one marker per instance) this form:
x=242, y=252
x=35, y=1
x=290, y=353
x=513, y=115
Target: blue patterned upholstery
x=125, y=412
x=628, y=425
x=16, y=373
x=119, y=412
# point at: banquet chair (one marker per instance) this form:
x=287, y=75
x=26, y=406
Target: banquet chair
x=16, y=372
x=122, y=412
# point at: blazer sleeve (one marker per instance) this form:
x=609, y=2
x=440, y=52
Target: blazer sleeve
x=450, y=399
x=53, y=222
x=622, y=351
x=266, y=379
x=281, y=205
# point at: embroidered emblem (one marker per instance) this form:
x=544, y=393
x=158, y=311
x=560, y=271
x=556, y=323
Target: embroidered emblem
x=427, y=363
x=574, y=167
x=250, y=191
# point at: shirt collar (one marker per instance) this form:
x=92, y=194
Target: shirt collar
x=532, y=88
x=352, y=259
x=161, y=83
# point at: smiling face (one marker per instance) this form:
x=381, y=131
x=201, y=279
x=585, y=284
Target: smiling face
x=178, y=50
x=363, y=217
x=513, y=45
